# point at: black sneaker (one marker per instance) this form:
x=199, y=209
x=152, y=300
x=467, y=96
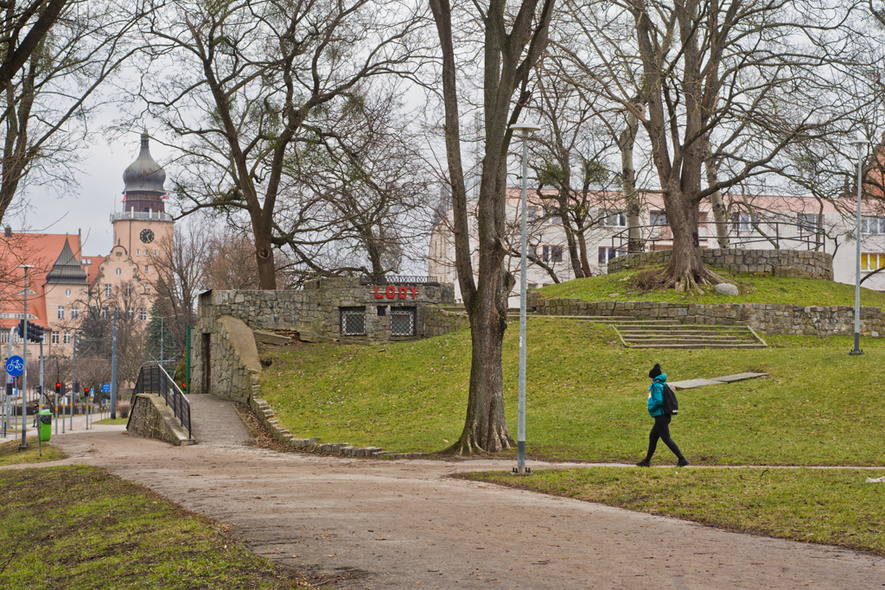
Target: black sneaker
x=643, y=464
x=682, y=462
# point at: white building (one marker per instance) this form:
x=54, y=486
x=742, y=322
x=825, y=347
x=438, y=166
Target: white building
x=763, y=222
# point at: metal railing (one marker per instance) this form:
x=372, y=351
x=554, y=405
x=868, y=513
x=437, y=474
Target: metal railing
x=778, y=234
x=154, y=379
x=397, y=280
x=141, y=215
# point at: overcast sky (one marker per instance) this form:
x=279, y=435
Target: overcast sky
x=87, y=208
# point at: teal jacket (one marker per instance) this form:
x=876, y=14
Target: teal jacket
x=656, y=396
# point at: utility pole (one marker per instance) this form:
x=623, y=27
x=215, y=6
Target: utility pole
x=114, y=372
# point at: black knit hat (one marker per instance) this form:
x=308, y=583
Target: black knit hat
x=655, y=371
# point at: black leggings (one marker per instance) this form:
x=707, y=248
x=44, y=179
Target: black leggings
x=661, y=430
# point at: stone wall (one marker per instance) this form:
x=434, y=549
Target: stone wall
x=837, y=320
x=779, y=263
x=150, y=417
x=225, y=361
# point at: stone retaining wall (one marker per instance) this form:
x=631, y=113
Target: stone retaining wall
x=779, y=263
x=834, y=320
x=150, y=417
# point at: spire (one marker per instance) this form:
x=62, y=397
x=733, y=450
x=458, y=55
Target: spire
x=67, y=269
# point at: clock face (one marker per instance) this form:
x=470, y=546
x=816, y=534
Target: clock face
x=147, y=236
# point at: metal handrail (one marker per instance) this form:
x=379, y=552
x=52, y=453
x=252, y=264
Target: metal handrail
x=811, y=238
x=397, y=280
x=154, y=379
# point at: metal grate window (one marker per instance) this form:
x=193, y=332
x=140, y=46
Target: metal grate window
x=402, y=321
x=353, y=321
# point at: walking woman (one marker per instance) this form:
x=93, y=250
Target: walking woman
x=661, y=429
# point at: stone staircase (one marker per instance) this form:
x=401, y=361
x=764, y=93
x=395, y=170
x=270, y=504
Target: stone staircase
x=650, y=334
x=643, y=333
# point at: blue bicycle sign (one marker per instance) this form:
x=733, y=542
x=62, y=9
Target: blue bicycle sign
x=15, y=366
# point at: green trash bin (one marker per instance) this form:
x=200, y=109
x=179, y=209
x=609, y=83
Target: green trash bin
x=44, y=424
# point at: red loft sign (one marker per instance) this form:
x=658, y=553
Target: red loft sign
x=394, y=292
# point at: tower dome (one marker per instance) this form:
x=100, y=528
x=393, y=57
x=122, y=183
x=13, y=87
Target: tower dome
x=144, y=175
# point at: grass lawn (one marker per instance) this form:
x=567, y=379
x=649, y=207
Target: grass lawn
x=832, y=506
x=10, y=454
x=81, y=527
x=586, y=397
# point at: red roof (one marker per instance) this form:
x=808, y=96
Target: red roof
x=40, y=251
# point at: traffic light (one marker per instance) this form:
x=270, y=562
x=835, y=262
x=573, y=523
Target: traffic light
x=36, y=332
x=86, y=391
x=40, y=390
x=58, y=387
x=21, y=329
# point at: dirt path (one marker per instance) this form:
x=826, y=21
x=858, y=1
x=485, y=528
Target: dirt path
x=371, y=524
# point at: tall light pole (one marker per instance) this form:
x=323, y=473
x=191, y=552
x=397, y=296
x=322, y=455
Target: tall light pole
x=24, y=383
x=860, y=144
x=523, y=285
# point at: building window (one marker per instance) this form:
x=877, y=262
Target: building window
x=145, y=268
x=61, y=312
x=138, y=252
x=402, y=321
x=353, y=321
x=55, y=337
x=871, y=261
x=104, y=314
x=67, y=292
x=613, y=218
x=742, y=222
x=551, y=253
x=107, y=291
x=155, y=252
x=127, y=291
x=657, y=218
x=533, y=214
x=75, y=312
x=67, y=337
x=872, y=225
x=119, y=271
x=131, y=313
x=808, y=223
x=142, y=314
x=607, y=253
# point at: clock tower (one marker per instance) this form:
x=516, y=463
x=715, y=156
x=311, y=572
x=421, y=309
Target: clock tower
x=143, y=229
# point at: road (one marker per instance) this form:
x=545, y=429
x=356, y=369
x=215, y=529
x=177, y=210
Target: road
x=373, y=524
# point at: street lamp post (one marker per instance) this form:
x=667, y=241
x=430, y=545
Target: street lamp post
x=24, y=381
x=860, y=144
x=523, y=285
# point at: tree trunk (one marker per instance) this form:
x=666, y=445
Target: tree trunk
x=686, y=270
x=626, y=141
x=720, y=212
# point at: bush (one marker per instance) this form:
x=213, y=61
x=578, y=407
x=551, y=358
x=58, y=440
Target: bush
x=123, y=409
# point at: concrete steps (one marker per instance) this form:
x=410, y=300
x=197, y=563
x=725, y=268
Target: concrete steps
x=644, y=333
x=656, y=335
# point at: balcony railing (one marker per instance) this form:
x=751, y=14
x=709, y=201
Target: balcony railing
x=777, y=234
x=141, y=216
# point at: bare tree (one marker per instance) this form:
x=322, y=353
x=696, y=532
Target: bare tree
x=729, y=85
x=512, y=43
x=46, y=102
x=24, y=26
x=249, y=78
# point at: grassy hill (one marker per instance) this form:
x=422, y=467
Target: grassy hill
x=630, y=286
x=586, y=396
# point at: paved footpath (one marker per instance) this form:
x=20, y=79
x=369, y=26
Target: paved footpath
x=371, y=524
